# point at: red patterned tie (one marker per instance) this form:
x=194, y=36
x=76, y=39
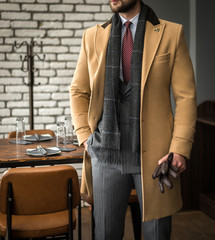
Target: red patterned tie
x=127, y=47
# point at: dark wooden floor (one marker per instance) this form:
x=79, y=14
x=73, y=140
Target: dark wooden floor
x=190, y=225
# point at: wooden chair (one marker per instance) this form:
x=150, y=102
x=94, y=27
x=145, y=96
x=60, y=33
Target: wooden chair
x=39, y=202
x=31, y=132
x=135, y=213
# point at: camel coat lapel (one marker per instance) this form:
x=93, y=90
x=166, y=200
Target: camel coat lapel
x=153, y=37
x=100, y=43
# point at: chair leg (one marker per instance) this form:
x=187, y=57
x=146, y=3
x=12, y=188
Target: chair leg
x=9, y=211
x=93, y=223
x=2, y=238
x=79, y=221
x=136, y=220
x=70, y=235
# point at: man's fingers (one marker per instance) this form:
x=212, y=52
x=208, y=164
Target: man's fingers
x=182, y=169
x=179, y=162
x=163, y=159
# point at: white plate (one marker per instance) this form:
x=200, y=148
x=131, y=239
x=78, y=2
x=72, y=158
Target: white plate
x=42, y=137
x=49, y=151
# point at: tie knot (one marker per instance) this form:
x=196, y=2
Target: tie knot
x=127, y=24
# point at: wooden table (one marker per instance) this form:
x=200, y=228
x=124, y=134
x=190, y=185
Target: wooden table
x=13, y=155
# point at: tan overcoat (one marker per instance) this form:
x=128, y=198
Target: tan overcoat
x=166, y=63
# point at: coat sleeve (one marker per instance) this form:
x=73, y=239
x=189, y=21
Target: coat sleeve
x=184, y=91
x=80, y=96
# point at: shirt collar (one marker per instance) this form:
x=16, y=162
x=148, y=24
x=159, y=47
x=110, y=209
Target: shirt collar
x=134, y=20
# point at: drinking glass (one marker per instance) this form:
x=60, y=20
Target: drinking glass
x=75, y=138
x=20, y=129
x=69, y=130
x=61, y=136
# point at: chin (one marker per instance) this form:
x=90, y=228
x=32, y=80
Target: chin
x=115, y=6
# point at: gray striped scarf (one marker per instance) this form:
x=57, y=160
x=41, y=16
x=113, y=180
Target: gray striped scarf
x=110, y=134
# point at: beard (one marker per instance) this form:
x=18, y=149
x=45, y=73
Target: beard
x=124, y=7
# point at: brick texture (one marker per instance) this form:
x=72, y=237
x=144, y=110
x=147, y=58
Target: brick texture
x=60, y=25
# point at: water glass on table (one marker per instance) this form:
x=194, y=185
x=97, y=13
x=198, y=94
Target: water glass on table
x=75, y=138
x=71, y=136
x=69, y=130
x=61, y=136
x=20, y=129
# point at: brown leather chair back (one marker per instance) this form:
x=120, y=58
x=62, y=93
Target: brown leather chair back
x=39, y=190
x=31, y=132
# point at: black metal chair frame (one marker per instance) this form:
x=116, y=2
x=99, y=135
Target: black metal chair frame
x=70, y=203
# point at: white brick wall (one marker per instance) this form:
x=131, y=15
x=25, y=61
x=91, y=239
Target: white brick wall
x=9, y=7
x=61, y=8
x=15, y=15
x=4, y=24
x=48, y=16
x=60, y=25
x=35, y=7
x=90, y=8
x=24, y=24
x=2, y=56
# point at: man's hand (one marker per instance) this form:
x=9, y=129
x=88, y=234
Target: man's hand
x=85, y=145
x=178, y=161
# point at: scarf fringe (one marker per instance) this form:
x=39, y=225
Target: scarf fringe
x=110, y=156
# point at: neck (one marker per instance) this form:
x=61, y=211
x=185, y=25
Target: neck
x=132, y=12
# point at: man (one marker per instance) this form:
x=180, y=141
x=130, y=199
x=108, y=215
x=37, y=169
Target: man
x=121, y=108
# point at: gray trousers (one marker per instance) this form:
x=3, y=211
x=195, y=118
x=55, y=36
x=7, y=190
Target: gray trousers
x=111, y=191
